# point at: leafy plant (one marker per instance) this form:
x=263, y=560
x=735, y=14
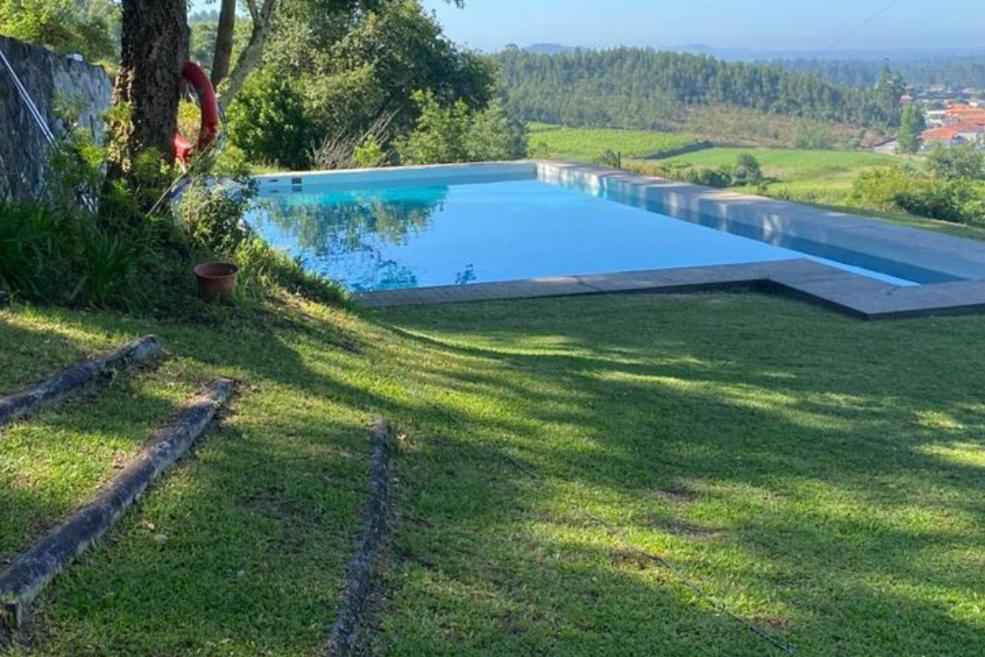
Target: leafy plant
x=456, y=133
x=747, y=171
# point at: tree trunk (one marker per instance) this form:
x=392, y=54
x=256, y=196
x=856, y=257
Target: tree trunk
x=224, y=42
x=155, y=45
x=251, y=56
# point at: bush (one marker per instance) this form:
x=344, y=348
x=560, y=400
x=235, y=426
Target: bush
x=747, y=170
x=71, y=257
x=459, y=134
x=269, y=123
x=906, y=189
x=959, y=201
x=213, y=216
x=610, y=159
x=697, y=175
x=957, y=163
x=369, y=154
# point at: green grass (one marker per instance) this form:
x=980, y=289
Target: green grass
x=589, y=144
x=800, y=173
x=817, y=477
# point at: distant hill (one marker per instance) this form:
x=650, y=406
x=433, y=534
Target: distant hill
x=548, y=49
x=647, y=89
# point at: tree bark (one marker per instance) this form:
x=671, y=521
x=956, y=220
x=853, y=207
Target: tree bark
x=148, y=86
x=224, y=42
x=251, y=56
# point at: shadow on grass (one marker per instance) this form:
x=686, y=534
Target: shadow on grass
x=808, y=472
x=803, y=445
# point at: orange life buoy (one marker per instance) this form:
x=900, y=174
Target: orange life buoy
x=196, y=77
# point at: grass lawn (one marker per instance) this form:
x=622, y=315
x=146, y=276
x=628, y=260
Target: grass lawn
x=589, y=144
x=616, y=475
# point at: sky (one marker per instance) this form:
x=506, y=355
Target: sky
x=762, y=24
x=781, y=24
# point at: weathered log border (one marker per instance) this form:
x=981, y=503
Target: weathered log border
x=360, y=578
x=24, y=580
x=70, y=380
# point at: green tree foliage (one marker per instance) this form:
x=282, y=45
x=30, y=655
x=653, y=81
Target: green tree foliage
x=456, y=133
x=87, y=27
x=748, y=170
x=269, y=122
x=350, y=69
x=637, y=88
x=957, y=163
x=912, y=125
x=203, y=29
x=955, y=72
x=949, y=188
x=888, y=91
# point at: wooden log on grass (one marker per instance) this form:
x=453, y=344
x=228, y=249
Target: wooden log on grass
x=30, y=573
x=74, y=378
x=361, y=578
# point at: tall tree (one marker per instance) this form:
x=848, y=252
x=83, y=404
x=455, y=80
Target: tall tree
x=912, y=125
x=148, y=84
x=262, y=14
x=225, y=33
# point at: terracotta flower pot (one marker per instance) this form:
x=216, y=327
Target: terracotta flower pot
x=216, y=280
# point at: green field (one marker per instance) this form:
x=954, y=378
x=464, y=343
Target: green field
x=817, y=177
x=589, y=144
x=615, y=475
x=823, y=175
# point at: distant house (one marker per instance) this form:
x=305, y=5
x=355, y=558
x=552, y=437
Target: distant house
x=945, y=136
x=887, y=147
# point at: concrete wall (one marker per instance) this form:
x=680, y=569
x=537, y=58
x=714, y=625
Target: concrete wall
x=52, y=80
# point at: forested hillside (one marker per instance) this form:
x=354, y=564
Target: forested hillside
x=637, y=88
x=955, y=72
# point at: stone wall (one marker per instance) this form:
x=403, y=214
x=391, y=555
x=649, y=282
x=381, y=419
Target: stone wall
x=53, y=81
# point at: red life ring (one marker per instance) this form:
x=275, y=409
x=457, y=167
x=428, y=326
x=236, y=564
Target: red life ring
x=209, y=129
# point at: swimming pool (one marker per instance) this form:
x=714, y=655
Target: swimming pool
x=397, y=229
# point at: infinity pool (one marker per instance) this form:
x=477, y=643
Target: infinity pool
x=383, y=235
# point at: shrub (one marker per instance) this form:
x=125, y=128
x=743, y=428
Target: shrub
x=369, y=154
x=610, y=159
x=697, y=175
x=268, y=121
x=957, y=163
x=213, y=216
x=459, y=134
x=747, y=170
x=906, y=189
x=879, y=188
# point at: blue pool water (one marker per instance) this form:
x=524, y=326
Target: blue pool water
x=393, y=237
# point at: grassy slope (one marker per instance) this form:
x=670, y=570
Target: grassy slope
x=588, y=144
x=818, y=476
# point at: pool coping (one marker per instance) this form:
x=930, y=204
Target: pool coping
x=836, y=289
x=958, y=263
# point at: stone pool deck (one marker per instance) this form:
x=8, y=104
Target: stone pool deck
x=952, y=267
x=855, y=295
